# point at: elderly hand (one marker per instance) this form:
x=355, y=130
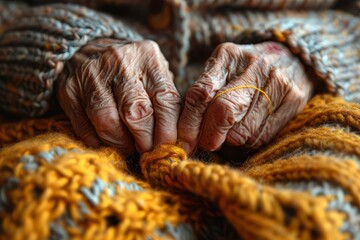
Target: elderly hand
x=120, y=94
x=215, y=112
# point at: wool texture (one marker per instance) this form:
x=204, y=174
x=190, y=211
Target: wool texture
x=37, y=41
x=303, y=186
x=34, y=45
x=327, y=41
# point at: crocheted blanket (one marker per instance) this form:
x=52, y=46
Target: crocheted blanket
x=305, y=185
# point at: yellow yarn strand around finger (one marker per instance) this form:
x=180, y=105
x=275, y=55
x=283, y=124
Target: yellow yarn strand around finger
x=247, y=86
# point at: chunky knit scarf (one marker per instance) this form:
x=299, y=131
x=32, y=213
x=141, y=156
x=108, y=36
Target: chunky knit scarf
x=303, y=186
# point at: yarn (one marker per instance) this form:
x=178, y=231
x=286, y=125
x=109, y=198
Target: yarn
x=247, y=86
x=38, y=43
x=260, y=208
x=55, y=188
x=35, y=44
x=277, y=4
x=303, y=186
x=334, y=61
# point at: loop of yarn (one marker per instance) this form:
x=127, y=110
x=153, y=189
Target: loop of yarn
x=247, y=86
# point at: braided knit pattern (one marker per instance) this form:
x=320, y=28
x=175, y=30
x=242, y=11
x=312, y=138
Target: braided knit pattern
x=261, y=209
x=35, y=45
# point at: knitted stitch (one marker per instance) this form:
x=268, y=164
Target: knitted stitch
x=327, y=41
x=9, y=9
x=35, y=45
x=277, y=4
x=53, y=188
x=327, y=124
x=94, y=3
x=304, y=192
x=187, y=33
x=303, y=186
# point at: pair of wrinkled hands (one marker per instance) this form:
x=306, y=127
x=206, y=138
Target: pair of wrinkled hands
x=123, y=95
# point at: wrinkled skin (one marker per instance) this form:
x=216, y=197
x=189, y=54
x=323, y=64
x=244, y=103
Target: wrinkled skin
x=242, y=117
x=120, y=94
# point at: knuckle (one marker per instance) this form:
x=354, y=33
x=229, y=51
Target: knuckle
x=167, y=94
x=137, y=110
x=99, y=99
x=223, y=112
x=227, y=46
x=199, y=94
x=226, y=50
x=150, y=44
x=149, y=48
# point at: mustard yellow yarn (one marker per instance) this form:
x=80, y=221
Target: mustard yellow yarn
x=247, y=86
x=256, y=211
x=55, y=185
x=303, y=186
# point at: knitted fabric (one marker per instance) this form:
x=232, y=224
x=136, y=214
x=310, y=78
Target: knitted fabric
x=277, y=4
x=8, y=9
x=327, y=41
x=304, y=186
x=35, y=44
x=94, y=3
x=32, y=57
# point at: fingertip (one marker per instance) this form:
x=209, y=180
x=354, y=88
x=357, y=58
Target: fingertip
x=210, y=145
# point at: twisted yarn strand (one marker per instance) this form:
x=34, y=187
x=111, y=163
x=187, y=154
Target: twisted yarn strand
x=241, y=199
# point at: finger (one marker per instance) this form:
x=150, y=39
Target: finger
x=82, y=127
x=227, y=109
x=102, y=111
x=199, y=97
x=135, y=110
x=276, y=87
x=293, y=102
x=164, y=97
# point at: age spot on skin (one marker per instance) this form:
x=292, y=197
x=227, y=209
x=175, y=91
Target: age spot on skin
x=272, y=48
